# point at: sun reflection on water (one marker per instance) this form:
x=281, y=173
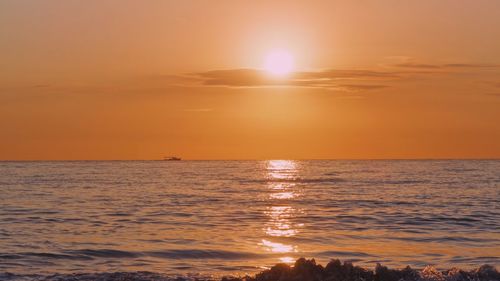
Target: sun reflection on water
x=287, y=260
x=281, y=169
x=280, y=225
x=282, y=195
x=282, y=186
x=278, y=247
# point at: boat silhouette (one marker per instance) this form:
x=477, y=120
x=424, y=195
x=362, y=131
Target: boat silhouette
x=171, y=158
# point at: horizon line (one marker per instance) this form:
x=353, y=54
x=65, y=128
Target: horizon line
x=253, y=159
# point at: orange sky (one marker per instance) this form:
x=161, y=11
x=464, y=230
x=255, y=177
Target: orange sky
x=144, y=79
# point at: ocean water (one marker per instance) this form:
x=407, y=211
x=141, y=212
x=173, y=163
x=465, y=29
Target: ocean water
x=236, y=217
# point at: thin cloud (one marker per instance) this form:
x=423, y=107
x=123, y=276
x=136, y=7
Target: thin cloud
x=354, y=87
x=248, y=78
x=417, y=65
x=348, y=80
x=413, y=65
x=470, y=65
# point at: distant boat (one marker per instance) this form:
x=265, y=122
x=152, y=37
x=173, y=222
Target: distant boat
x=172, y=158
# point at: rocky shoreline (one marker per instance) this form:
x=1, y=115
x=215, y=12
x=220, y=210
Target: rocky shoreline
x=302, y=270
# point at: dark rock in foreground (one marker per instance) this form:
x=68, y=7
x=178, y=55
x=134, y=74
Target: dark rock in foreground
x=308, y=270
x=302, y=270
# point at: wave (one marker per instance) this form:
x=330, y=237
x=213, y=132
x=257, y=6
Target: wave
x=328, y=180
x=378, y=182
x=89, y=254
x=333, y=180
x=302, y=270
x=105, y=253
x=203, y=254
x=343, y=254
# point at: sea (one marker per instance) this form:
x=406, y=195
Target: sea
x=240, y=217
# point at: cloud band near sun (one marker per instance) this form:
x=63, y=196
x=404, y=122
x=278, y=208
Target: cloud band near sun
x=332, y=79
x=345, y=80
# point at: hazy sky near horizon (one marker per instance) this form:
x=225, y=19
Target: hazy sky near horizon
x=144, y=79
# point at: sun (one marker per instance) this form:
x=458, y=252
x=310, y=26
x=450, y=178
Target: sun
x=279, y=63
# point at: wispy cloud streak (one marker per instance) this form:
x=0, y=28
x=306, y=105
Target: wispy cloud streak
x=342, y=80
x=349, y=80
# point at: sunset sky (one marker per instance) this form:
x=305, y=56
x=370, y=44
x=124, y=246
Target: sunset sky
x=249, y=79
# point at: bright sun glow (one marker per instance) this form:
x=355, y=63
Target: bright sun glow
x=279, y=63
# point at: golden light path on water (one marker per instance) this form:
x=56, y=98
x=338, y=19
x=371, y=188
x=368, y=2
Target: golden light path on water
x=281, y=175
